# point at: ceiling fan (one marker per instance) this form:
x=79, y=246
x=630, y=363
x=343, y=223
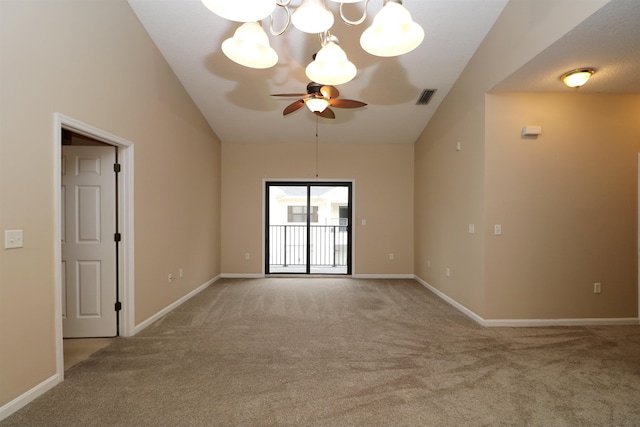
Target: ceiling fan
x=318, y=99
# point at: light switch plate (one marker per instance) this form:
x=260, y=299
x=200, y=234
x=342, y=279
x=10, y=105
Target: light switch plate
x=12, y=239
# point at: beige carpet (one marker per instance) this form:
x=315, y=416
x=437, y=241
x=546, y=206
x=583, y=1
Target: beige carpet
x=342, y=352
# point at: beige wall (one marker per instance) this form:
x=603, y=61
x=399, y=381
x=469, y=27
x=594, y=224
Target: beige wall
x=567, y=202
x=449, y=185
x=449, y=196
x=383, y=195
x=93, y=61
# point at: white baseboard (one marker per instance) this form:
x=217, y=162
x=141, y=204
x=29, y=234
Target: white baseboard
x=529, y=323
x=29, y=396
x=384, y=276
x=451, y=301
x=537, y=323
x=174, y=305
x=37, y=391
x=312, y=276
x=242, y=275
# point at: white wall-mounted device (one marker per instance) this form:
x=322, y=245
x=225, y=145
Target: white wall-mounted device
x=531, y=130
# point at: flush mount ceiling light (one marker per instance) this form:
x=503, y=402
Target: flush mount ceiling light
x=393, y=31
x=578, y=77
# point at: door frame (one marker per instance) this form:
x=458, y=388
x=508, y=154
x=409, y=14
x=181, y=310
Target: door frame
x=125, y=218
x=304, y=181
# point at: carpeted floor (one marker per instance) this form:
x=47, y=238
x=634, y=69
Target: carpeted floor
x=342, y=352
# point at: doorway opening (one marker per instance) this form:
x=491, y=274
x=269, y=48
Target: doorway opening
x=308, y=227
x=86, y=147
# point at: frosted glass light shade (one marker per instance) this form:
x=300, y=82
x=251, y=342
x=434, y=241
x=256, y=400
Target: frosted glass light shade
x=577, y=78
x=317, y=104
x=331, y=66
x=392, y=32
x=250, y=47
x=241, y=10
x=312, y=17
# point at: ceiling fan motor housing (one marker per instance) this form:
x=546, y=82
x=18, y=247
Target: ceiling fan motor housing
x=313, y=88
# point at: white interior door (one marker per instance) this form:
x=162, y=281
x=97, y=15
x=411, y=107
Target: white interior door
x=88, y=225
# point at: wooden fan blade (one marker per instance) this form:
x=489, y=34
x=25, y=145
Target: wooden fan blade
x=293, y=107
x=291, y=95
x=346, y=103
x=329, y=92
x=327, y=113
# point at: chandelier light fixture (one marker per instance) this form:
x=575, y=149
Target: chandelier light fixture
x=312, y=17
x=250, y=47
x=392, y=33
x=577, y=78
x=241, y=10
x=330, y=65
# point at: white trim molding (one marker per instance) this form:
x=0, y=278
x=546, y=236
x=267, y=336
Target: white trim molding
x=384, y=276
x=37, y=391
x=174, y=305
x=29, y=396
x=529, y=323
x=242, y=275
x=126, y=287
x=536, y=323
x=126, y=215
x=314, y=276
x=451, y=301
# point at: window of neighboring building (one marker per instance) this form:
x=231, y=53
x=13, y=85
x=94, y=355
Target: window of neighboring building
x=299, y=214
x=343, y=212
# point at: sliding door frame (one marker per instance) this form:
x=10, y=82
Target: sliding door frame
x=349, y=183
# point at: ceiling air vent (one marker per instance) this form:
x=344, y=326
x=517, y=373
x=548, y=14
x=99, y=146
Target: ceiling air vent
x=425, y=96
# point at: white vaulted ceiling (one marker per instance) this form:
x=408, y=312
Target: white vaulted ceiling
x=236, y=100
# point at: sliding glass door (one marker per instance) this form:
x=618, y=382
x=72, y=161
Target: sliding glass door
x=308, y=227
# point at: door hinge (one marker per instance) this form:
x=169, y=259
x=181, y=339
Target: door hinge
x=117, y=237
x=118, y=306
x=116, y=167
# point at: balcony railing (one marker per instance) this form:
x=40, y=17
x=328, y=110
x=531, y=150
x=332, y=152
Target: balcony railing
x=288, y=249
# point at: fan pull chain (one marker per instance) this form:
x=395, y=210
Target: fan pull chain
x=317, y=147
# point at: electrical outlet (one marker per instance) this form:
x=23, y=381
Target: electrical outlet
x=247, y=256
x=391, y=256
x=170, y=277
x=497, y=230
x=472, y=228
x=596, y=288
